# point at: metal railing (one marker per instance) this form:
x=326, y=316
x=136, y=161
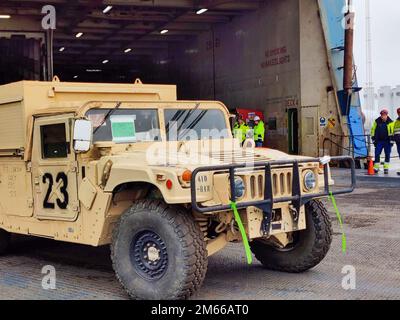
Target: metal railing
x=367, y=139
x=350, y=148
x=297, y=199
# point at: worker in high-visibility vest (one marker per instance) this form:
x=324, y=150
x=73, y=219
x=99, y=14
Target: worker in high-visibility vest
x=259, y=132
x=382, y=136
x=240, y=129
x=396, y=133
x=236, y=125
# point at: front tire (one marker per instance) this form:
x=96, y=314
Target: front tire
x=158, y=252
x=5, y=239
x=308, y=250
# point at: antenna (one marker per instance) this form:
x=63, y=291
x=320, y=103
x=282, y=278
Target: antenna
x=370, y=101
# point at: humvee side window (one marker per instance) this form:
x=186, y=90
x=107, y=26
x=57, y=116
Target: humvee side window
x=125, y=125
x=54, y=141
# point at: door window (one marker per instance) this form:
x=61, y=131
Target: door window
x=54, y=141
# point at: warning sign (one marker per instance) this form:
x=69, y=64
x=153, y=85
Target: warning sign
x=331, y=122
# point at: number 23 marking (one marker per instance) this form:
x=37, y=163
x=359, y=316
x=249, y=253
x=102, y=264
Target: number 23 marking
x=63, y=189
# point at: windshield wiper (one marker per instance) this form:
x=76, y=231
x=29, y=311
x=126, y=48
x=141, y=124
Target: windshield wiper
x=192, y=124
x=179, y=115
x=188, y=116
x=109, y=114
x=175, y=118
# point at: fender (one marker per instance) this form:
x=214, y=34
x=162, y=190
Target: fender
x=157, y=176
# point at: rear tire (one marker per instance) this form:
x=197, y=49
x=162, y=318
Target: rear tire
x=158, y=252
x=5, y=239
x=309, y=249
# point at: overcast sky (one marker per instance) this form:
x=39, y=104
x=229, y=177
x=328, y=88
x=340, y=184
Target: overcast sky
x=385, y=41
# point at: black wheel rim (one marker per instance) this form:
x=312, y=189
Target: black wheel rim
x=149, y=255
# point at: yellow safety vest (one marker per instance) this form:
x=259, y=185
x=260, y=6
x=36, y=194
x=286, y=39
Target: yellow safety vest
x=259, y=131
x=396, y=127
x=241, y=132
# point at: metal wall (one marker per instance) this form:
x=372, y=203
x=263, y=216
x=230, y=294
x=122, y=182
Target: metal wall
x=22, y=50
x=317, y=87
x=251, y=62
x=20, y=59
x=283, y=57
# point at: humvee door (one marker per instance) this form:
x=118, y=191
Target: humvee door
x=54, y=169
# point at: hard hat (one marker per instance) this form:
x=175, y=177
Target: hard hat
x=257, y=118
x=384, y=111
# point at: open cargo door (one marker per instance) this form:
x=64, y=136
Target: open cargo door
x=332, y=19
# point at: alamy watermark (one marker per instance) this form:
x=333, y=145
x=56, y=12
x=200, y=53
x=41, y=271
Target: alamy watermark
x=349, y=279
x=197, y=147
x=49, y=21
x=49, y=280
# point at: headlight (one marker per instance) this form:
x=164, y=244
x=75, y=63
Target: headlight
x=310, y=180
x=239, y=187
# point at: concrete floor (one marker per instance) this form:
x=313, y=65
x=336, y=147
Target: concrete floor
x=372, y=224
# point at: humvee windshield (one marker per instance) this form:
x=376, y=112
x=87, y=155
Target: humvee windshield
x=142, y=125
x=195, y=124
x=125, y=125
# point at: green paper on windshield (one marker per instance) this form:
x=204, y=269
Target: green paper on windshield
x=123, y=129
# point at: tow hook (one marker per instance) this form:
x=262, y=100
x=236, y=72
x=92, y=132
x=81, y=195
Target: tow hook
x=295, y=214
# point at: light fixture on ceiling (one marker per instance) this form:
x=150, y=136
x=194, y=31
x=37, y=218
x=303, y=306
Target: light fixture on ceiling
x=201, y=11
x=164, y=31
x=79, y=34
x=127, y=50
x=94, y=70
x=5, y=16
x=75, y=77
x=61, y=49
x=105, y=61
x=191, y=51
x=107, y=9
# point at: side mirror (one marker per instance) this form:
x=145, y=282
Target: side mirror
x=82, y=135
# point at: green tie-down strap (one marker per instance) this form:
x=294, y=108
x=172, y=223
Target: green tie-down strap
x=246, y=241
x=243, y=233
x=344, y=244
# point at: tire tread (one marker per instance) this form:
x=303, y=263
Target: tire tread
x=323, y=238
x=190, y=237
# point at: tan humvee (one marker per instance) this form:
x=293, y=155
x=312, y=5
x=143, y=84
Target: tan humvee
x=129, y=165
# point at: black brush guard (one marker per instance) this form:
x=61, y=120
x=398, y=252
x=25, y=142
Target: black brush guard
x=266, y=205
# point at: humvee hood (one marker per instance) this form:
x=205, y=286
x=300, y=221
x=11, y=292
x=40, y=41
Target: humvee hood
x=192, y=158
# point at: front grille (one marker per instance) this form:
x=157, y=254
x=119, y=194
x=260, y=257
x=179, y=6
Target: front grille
x=281, y=185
